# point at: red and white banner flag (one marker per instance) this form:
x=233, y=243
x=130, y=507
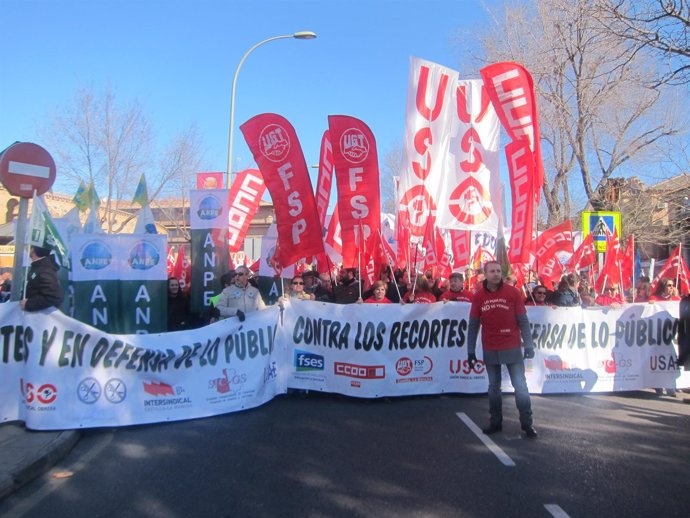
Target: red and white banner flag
x=277, y=151
x=436, y=257
x=357, y=178
x=584, y=256
x=183, y=271
x=460, y=245
x=628, y=263
x=429, y=115
x=170, y=265
x=333, y=235
x=611, y=271
x=511, y=90
x=550, y=267
x=521, y=172
x=209, y=180
x=325, y=179
x=554, y=240
x=676, y=269
x=469, y=195
x=244, y=199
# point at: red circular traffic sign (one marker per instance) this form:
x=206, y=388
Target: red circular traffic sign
x=26, y=167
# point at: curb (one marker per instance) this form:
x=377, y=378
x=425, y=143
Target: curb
x=39, y=462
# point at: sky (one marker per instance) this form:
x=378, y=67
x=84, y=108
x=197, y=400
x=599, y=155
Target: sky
x=177, y=59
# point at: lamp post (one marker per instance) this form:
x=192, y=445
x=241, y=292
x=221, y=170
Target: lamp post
x=302, y=35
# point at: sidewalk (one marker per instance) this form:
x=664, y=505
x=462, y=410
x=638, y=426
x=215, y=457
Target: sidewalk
x=26, y=454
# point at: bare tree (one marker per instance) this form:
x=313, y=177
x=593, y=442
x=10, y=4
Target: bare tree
x=392, y=169
x=657, y=26
x=98, y=140
x=598, y=113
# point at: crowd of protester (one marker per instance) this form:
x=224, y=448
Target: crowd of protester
x=241, y=295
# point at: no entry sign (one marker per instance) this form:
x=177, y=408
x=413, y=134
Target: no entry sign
x=26, y=167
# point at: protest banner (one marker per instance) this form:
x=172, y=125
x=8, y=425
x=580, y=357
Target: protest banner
x=58, y=373
x=208, y=217
x=120, y=282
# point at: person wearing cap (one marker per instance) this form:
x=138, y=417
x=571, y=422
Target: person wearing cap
x=239, y=298
x=42, y=287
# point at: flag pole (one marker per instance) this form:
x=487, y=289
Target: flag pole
x=633, y=268
x=680, y=255
x=390, y=266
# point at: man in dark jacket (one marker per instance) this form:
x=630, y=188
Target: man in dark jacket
x=42, y=288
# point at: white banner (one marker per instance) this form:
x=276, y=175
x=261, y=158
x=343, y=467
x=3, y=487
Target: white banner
x=429, y=119
x=451, y=166
x=57, y=373
x=469, y=194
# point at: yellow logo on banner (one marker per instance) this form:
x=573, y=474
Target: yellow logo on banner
x=599, y=224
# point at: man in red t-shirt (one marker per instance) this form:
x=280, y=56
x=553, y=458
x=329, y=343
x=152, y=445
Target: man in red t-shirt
x=455, y=291
x=500, y=311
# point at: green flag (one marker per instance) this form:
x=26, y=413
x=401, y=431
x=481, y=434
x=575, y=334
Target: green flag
x=81, y=198
x=141, y=195
x=43, y=233
x=94, y=200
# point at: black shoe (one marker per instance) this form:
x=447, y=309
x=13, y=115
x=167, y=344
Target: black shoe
x=530, y=432
x=492, y=428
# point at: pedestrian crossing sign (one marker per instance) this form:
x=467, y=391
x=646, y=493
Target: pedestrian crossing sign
x=599, y=224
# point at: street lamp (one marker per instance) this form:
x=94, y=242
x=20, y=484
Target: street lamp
x=302, y=35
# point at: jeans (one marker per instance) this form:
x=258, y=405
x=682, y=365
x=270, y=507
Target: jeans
x=522, y=400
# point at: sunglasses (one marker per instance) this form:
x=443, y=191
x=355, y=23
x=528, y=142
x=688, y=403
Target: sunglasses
x=297, y=283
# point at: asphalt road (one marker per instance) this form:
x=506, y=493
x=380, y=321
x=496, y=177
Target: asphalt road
x=330, y=456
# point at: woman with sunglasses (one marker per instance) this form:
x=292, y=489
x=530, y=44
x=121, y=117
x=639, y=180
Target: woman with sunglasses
x=665, y=291
x=296, y=290
x=538, y=297
x=610, y=297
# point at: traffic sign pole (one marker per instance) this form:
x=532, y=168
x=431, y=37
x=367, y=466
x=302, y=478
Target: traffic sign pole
x=19, y=245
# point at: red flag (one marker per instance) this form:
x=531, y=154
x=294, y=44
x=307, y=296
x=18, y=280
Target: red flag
x=549, y=243
x=209, y=180
x=357, y=178
x=325, y=179
x=611, y=271
x=551, y=268
x=628, y=262
x=521, y=172
x=477, y=259
x=333, y=236
x=436, y=256
x=674, y=268
x=584, y=256
x=385, y=253
x=556, y=239
x=170, y=265
x=511, y=90
x=244, y=199
x=521, y=272
x=403, y=243
x=277, y=151
x=460, y=245
x=183, y=271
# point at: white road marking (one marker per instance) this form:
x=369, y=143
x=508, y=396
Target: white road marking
x=493, y=447
x=39, y=171
x=556, y=511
